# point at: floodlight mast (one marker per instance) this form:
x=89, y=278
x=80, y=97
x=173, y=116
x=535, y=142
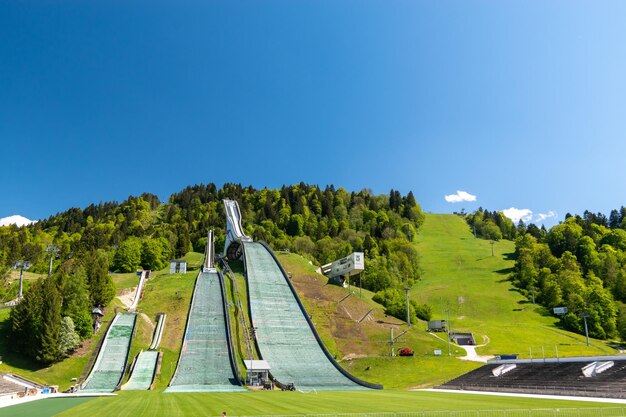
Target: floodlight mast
x=53, y=249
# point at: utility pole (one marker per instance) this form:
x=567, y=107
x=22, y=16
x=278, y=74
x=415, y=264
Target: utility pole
x=448, y=328
x=408, y=315
x=492, y=242
x=584, y=315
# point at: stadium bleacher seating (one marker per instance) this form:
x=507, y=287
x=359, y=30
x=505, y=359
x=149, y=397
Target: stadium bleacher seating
x=554, y=378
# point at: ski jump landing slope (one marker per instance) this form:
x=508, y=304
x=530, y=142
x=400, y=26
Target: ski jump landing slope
x=108, y=370
x=285, y=337
x=143, y=371
x=206, y=363
x=144, y=368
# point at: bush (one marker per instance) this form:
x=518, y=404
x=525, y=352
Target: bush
x=422, y=311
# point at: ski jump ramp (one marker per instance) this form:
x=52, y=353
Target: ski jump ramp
x=285, y=336
x=234, y=232
x=142, y=281
x=207, y=362
x=144, y=368
x=108, y=370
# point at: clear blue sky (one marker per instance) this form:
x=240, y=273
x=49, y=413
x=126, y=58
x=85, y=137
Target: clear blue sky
x=521, y=104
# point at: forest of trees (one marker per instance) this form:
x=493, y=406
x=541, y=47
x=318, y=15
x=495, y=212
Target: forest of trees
x=491, y=225
x=143, y=232
x=579, y=264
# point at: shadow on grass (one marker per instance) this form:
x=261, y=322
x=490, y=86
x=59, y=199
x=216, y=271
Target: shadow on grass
x=505, y=271
x=509, y=256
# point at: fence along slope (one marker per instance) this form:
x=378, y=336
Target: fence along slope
x=285, y=335
x=205, y=361
x=109, y=367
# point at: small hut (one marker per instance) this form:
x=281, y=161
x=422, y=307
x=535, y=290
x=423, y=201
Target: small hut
x=178, y=266
x=258, y=372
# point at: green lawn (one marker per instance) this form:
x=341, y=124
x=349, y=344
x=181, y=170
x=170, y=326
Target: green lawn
x=140, y=403
x=43, y=408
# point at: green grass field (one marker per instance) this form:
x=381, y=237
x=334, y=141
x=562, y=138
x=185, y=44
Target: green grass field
x=148, y=404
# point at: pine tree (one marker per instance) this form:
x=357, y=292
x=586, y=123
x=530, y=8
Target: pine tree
x=72, y=280
x=25, y=320
x=49, y=348
x=101, y=287
x=183, y=244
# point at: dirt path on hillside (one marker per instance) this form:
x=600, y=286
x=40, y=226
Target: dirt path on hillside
x=127, y=297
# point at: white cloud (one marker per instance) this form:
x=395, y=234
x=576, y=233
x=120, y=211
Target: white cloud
x=543, y=216
x=459, y=197
x=527, y=216
x=17, y=220
x=516, y=214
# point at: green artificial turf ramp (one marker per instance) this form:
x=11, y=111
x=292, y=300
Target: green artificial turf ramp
x=111, y=362
x=283, y=334
x=143, y=372
x=204, y=363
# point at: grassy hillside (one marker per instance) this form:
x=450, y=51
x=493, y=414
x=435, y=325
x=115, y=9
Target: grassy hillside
x=461, y=275
x=362, y=345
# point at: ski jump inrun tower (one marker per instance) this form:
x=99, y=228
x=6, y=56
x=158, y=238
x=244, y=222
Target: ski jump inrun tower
x=233, y=248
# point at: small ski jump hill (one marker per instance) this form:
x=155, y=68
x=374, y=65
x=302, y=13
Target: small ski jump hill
x=207, y=362
x=145, y=366
x=285, y=336
x=108, y=369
